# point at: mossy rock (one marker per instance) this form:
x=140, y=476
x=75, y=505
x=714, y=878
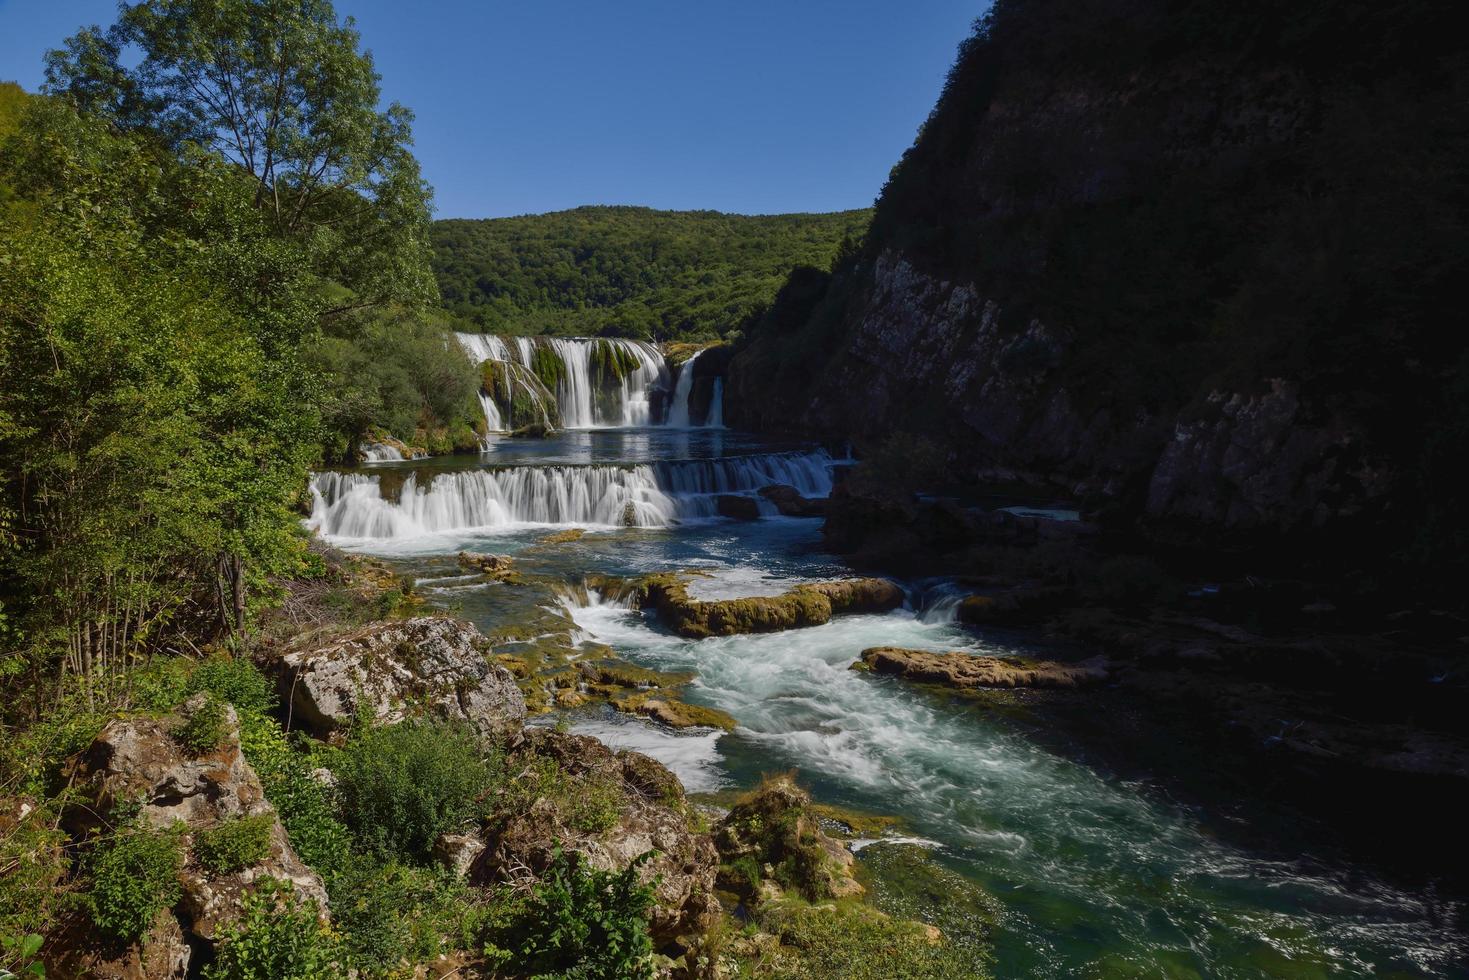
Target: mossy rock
x=805, y=605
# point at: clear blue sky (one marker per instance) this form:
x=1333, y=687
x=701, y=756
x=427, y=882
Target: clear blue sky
x=757, y=106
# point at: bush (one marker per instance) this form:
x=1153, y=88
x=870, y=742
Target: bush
x=235, y=681
x=235, y=845
x=135, y=875
x=401, y=787
x=392, y=915
x=276, y=937
x=580, y=923
x=307, y=809
x=204, y=729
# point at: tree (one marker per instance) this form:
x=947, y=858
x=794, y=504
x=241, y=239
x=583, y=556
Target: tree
x=280, y=89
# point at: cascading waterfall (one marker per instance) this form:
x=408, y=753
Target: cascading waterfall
x=577, y=388
x=678, y=411
x=351, y=505
x=715, y=419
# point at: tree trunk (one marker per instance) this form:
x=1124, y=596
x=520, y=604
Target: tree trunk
x=237, y=575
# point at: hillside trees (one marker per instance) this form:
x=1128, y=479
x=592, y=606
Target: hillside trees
x=209, y=185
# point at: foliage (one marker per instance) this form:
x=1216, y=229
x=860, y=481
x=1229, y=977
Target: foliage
x=393, y=915
x=279, y=90
x=851, y=941
x=236, y=844
x=19, y=955
x=580, y=924
x=395, y=369
x=306, y=808
x=277, y=937
x=134, y=876
x=204, y=729
x=402, y=786
x=33, y=872
x=627, y=272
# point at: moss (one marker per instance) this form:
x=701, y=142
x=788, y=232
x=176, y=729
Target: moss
x=563, y=537
x=804, y=605
x=659, y=706
x=775, y=826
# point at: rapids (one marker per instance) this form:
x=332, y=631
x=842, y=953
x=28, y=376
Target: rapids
x=1099, y=875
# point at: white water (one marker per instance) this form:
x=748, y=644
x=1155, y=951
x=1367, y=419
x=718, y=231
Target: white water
x=350, y=506
x=1082, y=858
x=576, y=394
x=678, y=411
x=716, y=406
x=380, y=453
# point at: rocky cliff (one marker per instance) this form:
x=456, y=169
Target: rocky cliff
x=1193, y=261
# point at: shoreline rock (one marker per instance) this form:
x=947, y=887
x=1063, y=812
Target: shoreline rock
x=809, y=604
x=392, y=669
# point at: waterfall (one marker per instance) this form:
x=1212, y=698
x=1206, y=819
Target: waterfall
x=351, y=505
x=378, y=452
x=678, y=412
x=584, y=399
x=715, y=419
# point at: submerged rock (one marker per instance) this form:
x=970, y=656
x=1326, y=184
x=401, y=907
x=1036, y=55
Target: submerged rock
x=389, y=670
x=790, y=502
x=809, y=604
x=737, y=506
x=575, y=794
x=966, y=670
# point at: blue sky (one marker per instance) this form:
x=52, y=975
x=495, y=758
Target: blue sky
x=759, y=106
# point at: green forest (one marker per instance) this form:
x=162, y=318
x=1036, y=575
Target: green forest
x=627, y=271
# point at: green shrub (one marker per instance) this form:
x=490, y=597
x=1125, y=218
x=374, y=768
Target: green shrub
x=33, y=870
x=852, y=941
x=580, y=923
x=236, y=681
x=135, y=875
x=203, y=730
x=235, y=845
x=393, y=916
x=401, y=787
x=277, y=937
x=306, y=808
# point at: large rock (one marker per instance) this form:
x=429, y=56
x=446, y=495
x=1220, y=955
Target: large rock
x=390, y=670
x=967, y=670
x=790, y=502
x=809, y=604
x=737, y=506
x=139, y=760
x=651, y=815
x=773, y=828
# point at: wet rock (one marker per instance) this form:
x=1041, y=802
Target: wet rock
x=392, y=669
x=140, y=761
x=495, y=566
x=645, y=810
x=809, y=604
x=965, y=670
x=1016, y=607
x=737, y=506
x=668, y=710
x=789, y=501
x=562, y=537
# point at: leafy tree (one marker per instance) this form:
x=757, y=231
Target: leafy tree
x=279, y=89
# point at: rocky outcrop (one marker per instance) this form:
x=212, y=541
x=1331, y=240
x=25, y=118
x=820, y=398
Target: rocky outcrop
x=639, y=807
x=809, y=604
x=772, y=840
x=394, y=669
x=141, y=761
x=78, y=951
x=789, y=501
x=737, y=506
x=967, y=670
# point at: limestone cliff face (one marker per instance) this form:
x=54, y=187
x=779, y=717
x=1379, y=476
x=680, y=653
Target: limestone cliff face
x=1157, y=254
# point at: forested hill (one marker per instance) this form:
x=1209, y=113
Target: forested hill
x=628, y=271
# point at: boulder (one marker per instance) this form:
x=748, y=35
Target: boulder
x=776, y=827
x=140, y=760
x=392, y=669
x=809, y=604
x=966, y=670
x=790, y=502
x=77, y=950
x=737, y=506
x=651, y=814
x=1016, y=607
